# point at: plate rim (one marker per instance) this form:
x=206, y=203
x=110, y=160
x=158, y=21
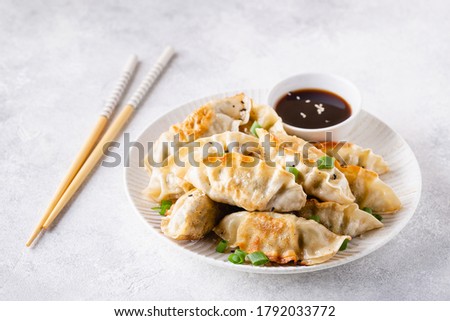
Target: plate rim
x=274, y=269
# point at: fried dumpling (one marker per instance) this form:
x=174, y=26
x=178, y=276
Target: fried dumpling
x=247, y=182
x=324, y=184
x=282, y=237
x=370, y=191
x=296, y=144
x=352, y=154
x=191, y=217
x=215, y=117
x=165, y=185
x=266, y=117
x=340, y=219
x=166, y=182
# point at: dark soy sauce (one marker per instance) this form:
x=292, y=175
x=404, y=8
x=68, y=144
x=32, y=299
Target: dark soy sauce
x=312, y=108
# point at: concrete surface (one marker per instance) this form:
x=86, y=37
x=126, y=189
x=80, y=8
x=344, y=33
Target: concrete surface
x=58, y=61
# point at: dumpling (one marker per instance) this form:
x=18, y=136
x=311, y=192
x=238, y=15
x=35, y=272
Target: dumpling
x=341, y=219
x=165, y=185
x=219, y=145
x=325, y=184
x=282, y=237
x=247, y=182
x=266, y=117
x=370, y=191
x=191, y=217
x=352, y=154
x=296, y=144
x=212, y=118
x=167, y=182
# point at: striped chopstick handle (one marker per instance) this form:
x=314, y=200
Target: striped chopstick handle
x=120, y=86
x=152, y=75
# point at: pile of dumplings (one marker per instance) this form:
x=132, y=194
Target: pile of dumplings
x=274, y=200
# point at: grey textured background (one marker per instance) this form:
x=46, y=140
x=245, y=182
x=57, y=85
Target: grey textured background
x=58, y=61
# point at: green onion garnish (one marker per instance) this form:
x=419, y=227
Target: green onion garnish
x=165, y=205
x=325, y=162
x=344, y=245
x=241, y=253
x=235, y=259
x=258, y=258
x=368, y=210
x=222, y=246
x=238, y=257
x=294, y=171
x=315, y=217
x=254, y=127
x=378, y=217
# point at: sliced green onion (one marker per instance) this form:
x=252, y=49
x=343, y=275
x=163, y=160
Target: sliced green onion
x=238, y=257
x=235, y=259
x=165, y=205
x=368, y=210
x=222, y=246
x=294, y=171
x=254, y=127
x=378, y=217
x=315, y=217
x=344, y=245
x=325, y=162
x=258, y=258
x=241, y=253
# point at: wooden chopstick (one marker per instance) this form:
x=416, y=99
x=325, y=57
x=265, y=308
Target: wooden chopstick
x=88, y=146
x=111, y=133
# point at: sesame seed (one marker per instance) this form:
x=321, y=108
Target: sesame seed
x=320, y=108
x=289, y=93
x=327, y=121
x=298, y=97
x=303, y=115
x=307, y=101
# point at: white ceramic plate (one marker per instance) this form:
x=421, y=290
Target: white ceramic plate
x=404, y=178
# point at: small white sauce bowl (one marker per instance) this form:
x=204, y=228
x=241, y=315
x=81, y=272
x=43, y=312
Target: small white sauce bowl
x=329, y=82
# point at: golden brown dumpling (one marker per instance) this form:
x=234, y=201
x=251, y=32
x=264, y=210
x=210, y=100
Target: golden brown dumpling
x=352, y=154
x=191, y=217
x=283, y=238
x=324, y=184
x=167, y=182
x=247, y=182
x=370, y=191
x=341, y=219
x=214, y=117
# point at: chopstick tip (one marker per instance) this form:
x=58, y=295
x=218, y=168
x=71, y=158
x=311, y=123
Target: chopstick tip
x=33, y=236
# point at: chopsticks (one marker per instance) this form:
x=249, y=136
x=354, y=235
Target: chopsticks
x=83, y=154
x=110, y=134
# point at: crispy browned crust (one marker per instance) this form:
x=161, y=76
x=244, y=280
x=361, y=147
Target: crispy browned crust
x=196, y=124
x=266, y=227
x=324, y=146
